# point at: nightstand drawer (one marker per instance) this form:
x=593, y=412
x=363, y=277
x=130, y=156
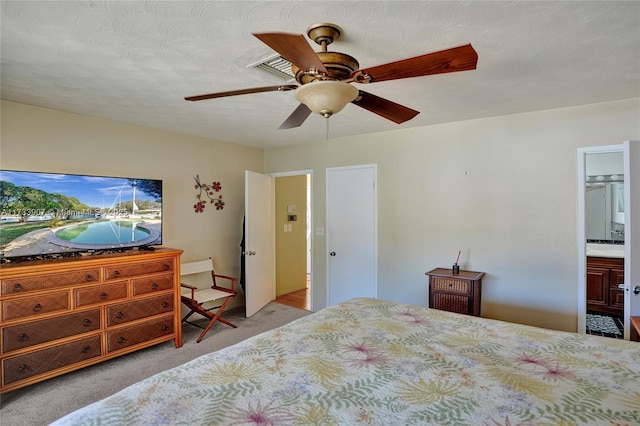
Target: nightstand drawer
x=451, y=303
x=452, y=285
x=36, y=332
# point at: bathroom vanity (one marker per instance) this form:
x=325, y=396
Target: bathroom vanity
x=605, y=272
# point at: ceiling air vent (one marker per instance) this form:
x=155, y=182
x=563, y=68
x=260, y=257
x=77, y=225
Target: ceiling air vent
x=275, y=65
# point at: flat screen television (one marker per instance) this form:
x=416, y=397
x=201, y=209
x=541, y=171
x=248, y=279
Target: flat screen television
x=52, y=215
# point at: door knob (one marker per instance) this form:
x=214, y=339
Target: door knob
x=333, y=253
x=636, y=289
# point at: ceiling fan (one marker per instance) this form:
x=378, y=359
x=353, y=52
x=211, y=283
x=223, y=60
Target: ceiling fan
x=325, y=77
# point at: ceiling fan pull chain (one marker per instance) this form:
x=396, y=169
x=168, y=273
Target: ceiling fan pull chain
x=327, y=131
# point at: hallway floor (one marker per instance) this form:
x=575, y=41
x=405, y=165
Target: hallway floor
x=297, y=299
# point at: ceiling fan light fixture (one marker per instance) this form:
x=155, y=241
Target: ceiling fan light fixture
x=326, y=97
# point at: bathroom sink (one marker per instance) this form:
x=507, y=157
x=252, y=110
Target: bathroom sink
x=605, y=250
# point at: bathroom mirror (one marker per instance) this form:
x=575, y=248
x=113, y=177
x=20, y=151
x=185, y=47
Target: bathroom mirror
x=604, y=198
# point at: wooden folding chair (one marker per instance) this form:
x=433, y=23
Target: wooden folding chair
x=194, y=297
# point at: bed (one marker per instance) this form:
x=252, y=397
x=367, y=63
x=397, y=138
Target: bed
x=370, y=361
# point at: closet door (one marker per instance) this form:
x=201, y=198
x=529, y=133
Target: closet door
x=351, y=233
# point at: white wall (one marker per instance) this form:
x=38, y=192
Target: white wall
x=40, y=139
x=503, y=190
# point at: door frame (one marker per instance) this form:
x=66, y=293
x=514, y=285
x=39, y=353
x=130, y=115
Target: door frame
x=310, y=207
x=581, y=234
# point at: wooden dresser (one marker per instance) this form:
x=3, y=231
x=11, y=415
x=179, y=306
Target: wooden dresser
x=459, y=293
x=62, y=315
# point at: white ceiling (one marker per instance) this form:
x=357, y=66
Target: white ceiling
x=135, y=61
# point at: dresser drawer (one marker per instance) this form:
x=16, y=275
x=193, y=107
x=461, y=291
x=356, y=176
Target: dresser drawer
x=125, y=271
x=152, y=284
x=451, y=285
x=100, y=293
x=137, y=309
x=46, y=330
x=129, y=336
x=40, y=282
x=34, y=305
x=28, y=365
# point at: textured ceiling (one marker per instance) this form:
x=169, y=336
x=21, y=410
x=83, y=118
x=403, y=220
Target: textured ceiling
x=135, y=61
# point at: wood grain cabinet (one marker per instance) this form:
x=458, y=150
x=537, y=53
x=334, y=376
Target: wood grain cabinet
x=62, y=315
x=604, y=274
x=459, y=293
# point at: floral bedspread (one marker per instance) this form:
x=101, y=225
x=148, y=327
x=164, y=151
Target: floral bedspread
x=368, y=361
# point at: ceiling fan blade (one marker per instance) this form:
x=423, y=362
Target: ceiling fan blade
x=242, y=92
x=385, y=108
x=295, y=49
x=461, y=58
x=296, y=118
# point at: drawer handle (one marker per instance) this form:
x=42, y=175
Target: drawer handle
x=165, y=304
x=165, y=327
x=17, y=287
x=166, y=266
x=119, y=315
x=22, y=337
x=154, y=286
x=37, y=307
x=121, y=339
x=116, y=273
x=86, y=322
x=23, y=368
x=86, y=349
x=103, y=295
x=88, y=277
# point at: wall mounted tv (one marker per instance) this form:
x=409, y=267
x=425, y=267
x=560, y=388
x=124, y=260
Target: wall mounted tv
x=51, y=215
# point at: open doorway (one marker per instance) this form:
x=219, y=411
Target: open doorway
x=602, y=207
x=604, y=232
x=293, y=239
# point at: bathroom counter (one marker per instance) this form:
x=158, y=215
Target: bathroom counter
x=605, y=250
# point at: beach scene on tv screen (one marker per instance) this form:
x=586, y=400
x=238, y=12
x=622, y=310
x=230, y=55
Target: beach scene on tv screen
x=54, y=214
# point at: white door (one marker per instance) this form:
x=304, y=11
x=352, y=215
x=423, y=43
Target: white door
x=259, y=252
x=632, y=233
x=351, y=233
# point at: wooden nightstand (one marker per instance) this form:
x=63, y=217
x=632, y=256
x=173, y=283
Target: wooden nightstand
x=635, y=329
x=459, y=293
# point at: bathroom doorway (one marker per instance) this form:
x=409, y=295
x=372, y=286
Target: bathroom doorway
x=615, y=273
x=604, y=232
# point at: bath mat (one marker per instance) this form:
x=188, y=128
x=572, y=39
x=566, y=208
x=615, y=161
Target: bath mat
x=602, y=324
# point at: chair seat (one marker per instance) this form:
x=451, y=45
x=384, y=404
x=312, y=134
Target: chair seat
x=205, y=295
x=195, y=298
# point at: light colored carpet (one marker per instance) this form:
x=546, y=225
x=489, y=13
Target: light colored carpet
x=44, y=402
